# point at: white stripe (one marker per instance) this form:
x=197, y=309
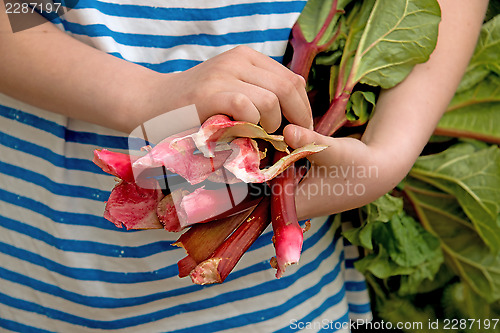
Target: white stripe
x=157, y=27
x=187, y=4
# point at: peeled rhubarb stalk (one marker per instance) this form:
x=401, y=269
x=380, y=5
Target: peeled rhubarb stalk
x=217, y=267
x=202, y=239
x=288, y=234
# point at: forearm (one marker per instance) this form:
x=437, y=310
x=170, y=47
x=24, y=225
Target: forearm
x=407, y=114
x=47, y=68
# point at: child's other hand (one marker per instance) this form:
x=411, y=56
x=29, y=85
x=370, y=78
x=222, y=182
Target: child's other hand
x=245, y=85
x=348, y=174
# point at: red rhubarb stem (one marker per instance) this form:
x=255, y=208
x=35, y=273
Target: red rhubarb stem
x=335, y=117
x=218, y=266
x=304, y=51
x=288, y=235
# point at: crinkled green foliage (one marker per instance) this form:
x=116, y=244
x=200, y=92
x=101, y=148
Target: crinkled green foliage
x=454, y=195
x=379, y=211
x=360, y=106
x=403, y=247
x=460, y=301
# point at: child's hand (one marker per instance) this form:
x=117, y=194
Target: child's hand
x=245, y=85
x=347, y=175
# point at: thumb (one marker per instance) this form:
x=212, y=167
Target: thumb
x=297, y=136
x=340, y=150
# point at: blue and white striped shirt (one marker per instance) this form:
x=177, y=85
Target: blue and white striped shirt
x=64, y=268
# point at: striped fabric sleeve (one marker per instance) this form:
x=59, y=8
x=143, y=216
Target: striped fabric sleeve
x=64, y=268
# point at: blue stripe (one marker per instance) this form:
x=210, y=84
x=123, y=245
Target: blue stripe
x=220, y=299
x=80, y=246
x=194, y=14
x=60, y=131
x=274, y=285
x=158, y=41
x=325, y=324
x=360, y=308
x=67, y=218
x=48, y=155
x=91, y=301
x=355, y=285
x=88, y=274
x=73, y=191
x=18, y=327
x=107, y=302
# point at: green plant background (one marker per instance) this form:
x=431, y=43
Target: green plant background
x=431, y=247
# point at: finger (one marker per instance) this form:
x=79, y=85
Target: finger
x=266, y=102
x=290, y=93
x=288, y=86
x=234, y=104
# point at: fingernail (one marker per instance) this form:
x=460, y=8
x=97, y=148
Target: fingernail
x=296, y=133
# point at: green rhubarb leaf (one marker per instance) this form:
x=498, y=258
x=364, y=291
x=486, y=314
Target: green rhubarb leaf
x=465, y=251
x=408, y=244
x=460, y=301
x=403, y=247
x=485, y=58
x=398, y=35
x=314, y=16
x=353, y=29
x=475, y=113
x=378, y=211
x=360, y=106
x=472, y=175
x=381, y=265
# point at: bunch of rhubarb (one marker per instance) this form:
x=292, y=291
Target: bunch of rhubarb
x=209, y=197
x=362, y=46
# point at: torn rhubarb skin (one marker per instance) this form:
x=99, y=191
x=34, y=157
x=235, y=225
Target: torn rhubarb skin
x=181, y=160
x=117, y=164
x=220, y=128
x=133, y=207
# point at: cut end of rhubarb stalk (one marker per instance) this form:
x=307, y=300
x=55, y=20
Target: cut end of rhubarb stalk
x=207, y=272
x=288, y=245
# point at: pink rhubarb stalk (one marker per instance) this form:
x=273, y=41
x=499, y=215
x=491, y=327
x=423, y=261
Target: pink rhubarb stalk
x=304, y=51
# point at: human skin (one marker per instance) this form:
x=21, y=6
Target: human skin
x=404, y=119
x=90, y=85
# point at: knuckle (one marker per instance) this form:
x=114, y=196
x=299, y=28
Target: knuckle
x=286, y=88
x=270, y=101
x=238, y=101
x=298, y=81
